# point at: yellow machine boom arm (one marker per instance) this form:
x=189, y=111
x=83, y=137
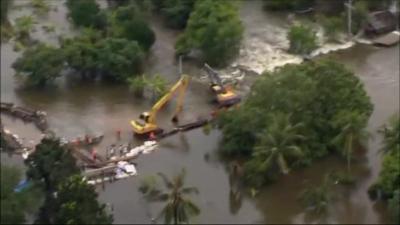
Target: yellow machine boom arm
x=180, y=86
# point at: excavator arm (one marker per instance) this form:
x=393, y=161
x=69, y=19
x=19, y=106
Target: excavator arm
x=150, y=124
x=180, y=86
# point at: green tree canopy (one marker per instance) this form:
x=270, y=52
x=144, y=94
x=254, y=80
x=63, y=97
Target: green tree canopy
x=50, y=164
x=40, y=64
x=86, y=13
x=214, y=27
x=315, y=94
x=176, y=12
x=76, y=203
x=303, y=40
x=128, y=22
x=119, y=58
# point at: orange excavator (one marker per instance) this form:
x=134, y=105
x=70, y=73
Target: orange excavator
x=225, y=95
x=148, y=124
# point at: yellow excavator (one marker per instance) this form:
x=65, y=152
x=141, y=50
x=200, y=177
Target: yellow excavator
x=149, y=118
x=225, y=95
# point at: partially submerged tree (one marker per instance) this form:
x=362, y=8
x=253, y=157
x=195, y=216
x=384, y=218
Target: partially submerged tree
x=176, y=12
x=85, y=13
x=128, y=22
x=40, y=64
x=23, y=26
x=387, y=186
x=178, y=208
x=318, y=197
x=303, y=40
x=214, y=28
x=316, y=94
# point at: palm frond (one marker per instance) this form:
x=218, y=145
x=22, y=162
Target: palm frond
x=166, y=181
x=190, y=190
x=282, y=164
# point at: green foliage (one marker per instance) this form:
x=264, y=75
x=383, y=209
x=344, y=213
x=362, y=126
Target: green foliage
x=119, y=58
x=360, y=13
x=5, y=6
x=176, y=12
x=114, y=58
x=40, y=6
x=137, y=85
x=50, y=164
x=287, y=4
x=85, y=13
x=178, y=208
x=333, y=26
x=214, y=28
x=76, y=203
x=277, y=148
x=157, y=85
x=352, y=125
x=394, y=206
x=40, y=64
x=389, y=177
x=14, y=205
x=303, y=40
x=314, y=94
x=128, y=22
x=318, y=197
x=23, y=26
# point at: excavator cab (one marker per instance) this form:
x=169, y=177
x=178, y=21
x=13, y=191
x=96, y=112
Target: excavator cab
x=225, y=95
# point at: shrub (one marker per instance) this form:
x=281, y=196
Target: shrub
x=302, y=40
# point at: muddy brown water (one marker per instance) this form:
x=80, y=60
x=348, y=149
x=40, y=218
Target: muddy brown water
x=75, y=108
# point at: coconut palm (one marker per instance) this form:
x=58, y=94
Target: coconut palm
x=391, y=133
x=178, y=208
x=277, y=143
x=352, y=133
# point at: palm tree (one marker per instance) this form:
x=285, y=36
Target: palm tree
x=178, y=208
x=352, y=133
x=391, y=135
x=277, y=143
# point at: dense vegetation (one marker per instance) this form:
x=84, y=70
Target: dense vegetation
x=294, y=116
x=303, y=40
x=113, y=46
x=53, y=168
x=178, y=208
x=86, y=13
x=40, y=64
x=129, y=23
x=388, y=183
x=214, y=28
x=288, y=4
x=14, y=205
x=175, y=12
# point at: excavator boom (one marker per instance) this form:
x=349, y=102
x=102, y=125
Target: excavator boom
x=150, y=124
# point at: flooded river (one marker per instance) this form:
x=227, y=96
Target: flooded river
x=75, y=108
